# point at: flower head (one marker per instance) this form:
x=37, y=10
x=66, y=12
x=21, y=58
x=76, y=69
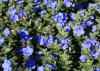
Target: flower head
x=78, y=30
x=48, y=40
x=27, y=51
x=94, y=28
x=40, y=68
x=39, y=39
x=51, y=4
x=12, y=11
x=72, y=16
x=22, y=12
x=83, y=58
x=23, y=34
x=95, y=55
x=19, y=1
x=67, y=3
x=5, y=0
x=6, y=32
x=1, y=41
x=60, y=18
x=7, y=65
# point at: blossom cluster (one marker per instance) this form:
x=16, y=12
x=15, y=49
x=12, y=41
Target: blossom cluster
x=50, y=35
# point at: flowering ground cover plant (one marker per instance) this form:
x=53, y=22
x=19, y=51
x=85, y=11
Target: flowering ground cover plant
x=49, y=35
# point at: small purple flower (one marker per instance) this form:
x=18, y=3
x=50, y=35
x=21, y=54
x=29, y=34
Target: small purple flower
x=51, y=4
x=86, y=44
x=64, y=43
x=83, y=58
x=94, y=28
x=22, y=13
x=48, y=40
x=95, y=55
x=92, y=5
x=67, y=28
x=82, y=12
x=19, y=1
x=40, y=39
x=72, y=16
x=79, y=30
x=6, y=32
x=93, y=41
x=43, y=12
x=60, y=18
x=78, y=6
x=89, y=23
x=7, y=65
x=67, y=3
x=1, y=41
x=27, y=51
x=12, y=11
x=30, y=63
x=5, y=0
x=13, y=17
x=23, y=34
x=96, y=69
x=40, y=68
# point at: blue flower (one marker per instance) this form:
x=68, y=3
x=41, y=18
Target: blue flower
x=95, y=55
x=93, y=41
x=83, y=58
x=5, y=0
x=30, y=63
x=7, y=65
x=82, y=12
x=1, y=41
x=40, y=68
x=48, y=40
x=67, y=3
x=86, y=44
x=43, y=12
x=89, y=42
x=27, y=51
x=96, y=69
x=94, y=28
x=22, y=13
x=67, y=28
x=6, y=32
x=97, y=44
x=92, y=5
x=51, y=65
x=64, y=43
x=60, y=18
x=40, y=39
x=72, y=16
x=37, y=3
x=13, y=16
x=89, y=22
x=51, y=4
x=23, y=34
x=12, y=11
x=78, y=30
x=19, y=1
x=78, y=6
